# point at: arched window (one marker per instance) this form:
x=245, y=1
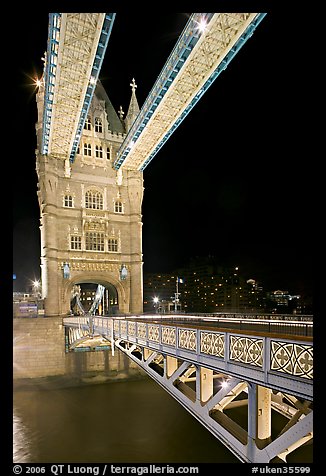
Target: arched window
x=108, y=153
x=118, y=207
x=98, y=125
x=88, y=124
x=94, y=200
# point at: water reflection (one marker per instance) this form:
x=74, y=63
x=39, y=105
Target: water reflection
x=20, y=441
x=131, y=421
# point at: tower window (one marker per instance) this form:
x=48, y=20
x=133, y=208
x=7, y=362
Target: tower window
x=98, y=125
x=88, y=124
x=94, y=241
x=108, y=153
x=68, y=201
x=113, y=244
x=75, y=242
x=94, y=200
x=118, y=207
x=87, y=149
x=98, y=151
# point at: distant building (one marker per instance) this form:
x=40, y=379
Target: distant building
x=206, y=288
x=210, y=288
x=159, y=293
x=27, y=305
x=282, y=302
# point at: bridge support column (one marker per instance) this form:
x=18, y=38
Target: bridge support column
x=204, y=384
x=264, y=417
x=259, y=418
x=171, y=365
x=146, y=353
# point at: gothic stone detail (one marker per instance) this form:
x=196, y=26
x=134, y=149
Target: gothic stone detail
x=168, y=335
x=212, y=343
x=116, y=326
x=87, y=266
x=141, y=330
x=246, y=350
x=187, y=339
x=291, y=358
x=153, y=333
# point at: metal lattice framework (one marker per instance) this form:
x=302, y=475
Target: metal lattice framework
x=76, y=46
x=211, y=373
x=199, y=56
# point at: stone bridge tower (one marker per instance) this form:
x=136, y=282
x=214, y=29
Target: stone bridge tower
x=90, y=214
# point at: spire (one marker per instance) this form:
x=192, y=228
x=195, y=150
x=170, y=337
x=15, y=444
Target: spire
x=133, y=106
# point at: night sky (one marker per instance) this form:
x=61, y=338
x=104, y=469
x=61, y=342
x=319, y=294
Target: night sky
x=233, y=181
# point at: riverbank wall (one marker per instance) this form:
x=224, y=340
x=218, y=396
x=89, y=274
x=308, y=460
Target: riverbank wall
x=39, y=352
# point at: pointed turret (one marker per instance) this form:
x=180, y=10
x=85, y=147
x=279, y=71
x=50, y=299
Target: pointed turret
x=133, y=107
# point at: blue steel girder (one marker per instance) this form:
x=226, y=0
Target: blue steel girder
x=76, y=46
x=198, y=58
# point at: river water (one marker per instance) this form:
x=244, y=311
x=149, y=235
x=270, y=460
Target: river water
x=127, y=421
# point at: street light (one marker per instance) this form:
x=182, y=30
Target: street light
x=36, y=289
x=155, y=301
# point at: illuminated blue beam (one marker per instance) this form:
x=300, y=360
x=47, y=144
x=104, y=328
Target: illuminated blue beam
x=51, y=72
x=49, y=76
x=180, y=53
x=224, y=63
x=101, y=48
x=182, y=50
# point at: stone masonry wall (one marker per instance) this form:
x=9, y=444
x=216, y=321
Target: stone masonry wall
x=39, y=351
x=39, y=347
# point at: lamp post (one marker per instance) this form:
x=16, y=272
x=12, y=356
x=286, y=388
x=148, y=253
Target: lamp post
x=177, y=294
x=36, y=289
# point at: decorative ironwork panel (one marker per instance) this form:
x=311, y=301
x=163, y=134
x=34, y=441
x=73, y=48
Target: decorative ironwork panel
x=132, y=328
x=187, y=339
x=153, y=333
x=246, y=350
x=141, y=330
x=168, y=335
x=291, y=358
x=212, y=343
x=116, y=326
x=123, y=327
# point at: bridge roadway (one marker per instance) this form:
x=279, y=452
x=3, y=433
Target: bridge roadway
x=214, y=365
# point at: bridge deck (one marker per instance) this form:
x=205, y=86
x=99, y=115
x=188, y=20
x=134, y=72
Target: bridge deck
x=280, y=361
x=210, y=370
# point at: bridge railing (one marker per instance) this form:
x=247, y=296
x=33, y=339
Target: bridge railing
x=281, y=361
x=268, y=323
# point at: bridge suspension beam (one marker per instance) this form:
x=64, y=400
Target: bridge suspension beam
x=76, y=46
x=206, y=46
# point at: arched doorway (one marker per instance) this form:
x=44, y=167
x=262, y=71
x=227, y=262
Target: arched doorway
x=94, y=298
